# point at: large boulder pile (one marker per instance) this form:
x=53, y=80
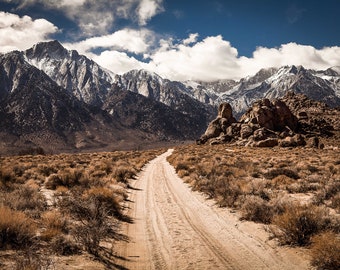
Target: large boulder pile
x=267, y=123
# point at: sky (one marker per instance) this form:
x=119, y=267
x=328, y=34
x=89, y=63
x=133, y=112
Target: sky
x=181, y=40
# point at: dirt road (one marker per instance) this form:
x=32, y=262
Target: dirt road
x=176, y=228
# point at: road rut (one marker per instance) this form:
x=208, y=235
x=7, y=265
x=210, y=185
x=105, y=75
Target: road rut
x=175, y=228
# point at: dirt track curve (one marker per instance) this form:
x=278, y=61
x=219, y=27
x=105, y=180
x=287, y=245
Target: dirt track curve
x=175, y=228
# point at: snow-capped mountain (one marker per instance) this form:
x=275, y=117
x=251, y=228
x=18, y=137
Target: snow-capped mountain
x=57, y=99
x=171, y=93
x=79, y=75
x=275, y=83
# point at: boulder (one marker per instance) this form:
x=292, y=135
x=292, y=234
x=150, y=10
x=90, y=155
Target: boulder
x=293, y=141
x=270, y=142
x=246, y=131
x=218, y=126
x=225, y=111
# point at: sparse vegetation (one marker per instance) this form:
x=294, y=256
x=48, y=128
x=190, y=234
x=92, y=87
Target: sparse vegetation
x=63, y=205
x=295, y=191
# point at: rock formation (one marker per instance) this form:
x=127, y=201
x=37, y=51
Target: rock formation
x=267, y=123
x=218, y=126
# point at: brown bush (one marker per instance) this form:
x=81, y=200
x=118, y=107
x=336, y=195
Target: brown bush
x=335, y=203
x=256, y=209
x=281, y=171
x=16, y=229
x=7, y=178
x=325, y=251
x=299, y=223
x=54, y=223
x=123, y=173
x=64, y=245
x=107, y=198
x=27, y=199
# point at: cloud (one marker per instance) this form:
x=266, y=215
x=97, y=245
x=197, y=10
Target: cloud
x=20, y=33
x=191, y=39
x=130, y=40
x=291, y=54
x=210, y=59
x=97, y=17
x=117, y=62
x=147, y=9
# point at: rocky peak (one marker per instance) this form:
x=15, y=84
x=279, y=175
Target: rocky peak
x=51, y=49
x=76, y=73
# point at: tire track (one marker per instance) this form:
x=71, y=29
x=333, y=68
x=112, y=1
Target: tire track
x=175, y=228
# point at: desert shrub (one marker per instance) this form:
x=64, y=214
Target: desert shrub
x=281, y=181
x=107, y=198
x=53, y=181
x=70, y=177
x=299, y=223
x=64, y=245
x=67, y=178
x=332, y=188
x=29, y=259
x=224, y=189
x=94, y=223
x=16, y=229
x=256, y=209
x=335, y=202
x=46, y=170
x=325, y=251
x=281, y=171
x=26, y=198
x=7, y=178
x=181, y=166
x=123, y=173
x=54, y=223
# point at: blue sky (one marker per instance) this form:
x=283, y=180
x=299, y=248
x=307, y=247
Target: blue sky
x=181, y=40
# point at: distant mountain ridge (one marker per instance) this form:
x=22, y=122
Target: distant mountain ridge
x=49, y=89
x=275, y=83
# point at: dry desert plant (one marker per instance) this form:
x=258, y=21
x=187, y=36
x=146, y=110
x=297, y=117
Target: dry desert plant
x=16, y=229
x=299, y=223
x=325, y=251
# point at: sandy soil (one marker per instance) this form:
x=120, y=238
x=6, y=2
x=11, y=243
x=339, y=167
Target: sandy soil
x=175, y=228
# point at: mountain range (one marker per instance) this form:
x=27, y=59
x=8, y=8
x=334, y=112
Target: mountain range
x=60, y=100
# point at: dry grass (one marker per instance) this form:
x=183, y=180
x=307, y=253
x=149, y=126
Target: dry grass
x=64, y=204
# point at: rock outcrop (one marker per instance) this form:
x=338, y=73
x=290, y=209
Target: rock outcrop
x=217, y=128
x=267, y=123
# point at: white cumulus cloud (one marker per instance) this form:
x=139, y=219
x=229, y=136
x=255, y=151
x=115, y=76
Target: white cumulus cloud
x=210, y=59
x=291, y=54
x=130, y=40
x=117, y=62
x=20, y=33
x=147, y=9
x=95, y=17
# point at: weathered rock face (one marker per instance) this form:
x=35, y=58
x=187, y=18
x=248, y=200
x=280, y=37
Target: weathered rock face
x=266, y=124
x=273, y=115
x=219, y=125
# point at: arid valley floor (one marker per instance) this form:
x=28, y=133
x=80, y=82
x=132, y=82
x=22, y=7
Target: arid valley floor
x=214, y=207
